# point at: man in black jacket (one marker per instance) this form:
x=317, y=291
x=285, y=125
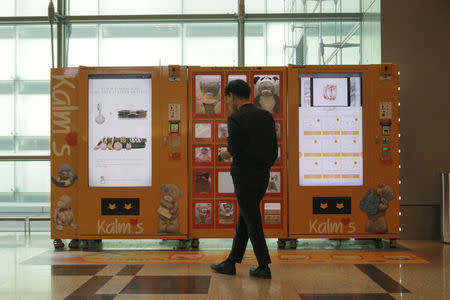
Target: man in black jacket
x=252, y=143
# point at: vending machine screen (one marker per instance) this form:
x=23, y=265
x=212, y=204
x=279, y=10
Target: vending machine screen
x=120, y=130
x=330, y=130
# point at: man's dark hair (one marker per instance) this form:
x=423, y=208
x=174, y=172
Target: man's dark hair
x=239, y=88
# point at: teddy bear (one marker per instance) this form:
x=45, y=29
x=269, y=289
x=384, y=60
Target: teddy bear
x=226, y=213
x=202, y=182
x=203, y=213
x=272, y=186
x=267, y=98
x=223, y=131
x=63, y=215
x=208, y=97
x=168, y=209
x=204, y=155
x=376, y=222
x=223, y=155
x=66, y=176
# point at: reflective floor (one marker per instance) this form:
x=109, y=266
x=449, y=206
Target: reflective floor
x=31, y=269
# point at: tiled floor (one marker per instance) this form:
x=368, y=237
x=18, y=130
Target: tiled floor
x=26, y=273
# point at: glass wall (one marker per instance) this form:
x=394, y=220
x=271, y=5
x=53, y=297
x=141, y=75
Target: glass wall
x=25, y=108
x=371, y=32
x=302, y=6
x=149, y=44
x=24, y=181
x=194, y=32
x=9, y=8
x=24, y=90
x=150, y=7
x=312, y=43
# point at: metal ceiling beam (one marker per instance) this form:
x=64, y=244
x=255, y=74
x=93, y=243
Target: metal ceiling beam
x=23, y=20
x=241, y=34
x=24, y=157
x=311, y=17
x=153, y=18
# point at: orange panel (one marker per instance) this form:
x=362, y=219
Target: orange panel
x=64, y=159
x=328, y=218
x=210, y=210
x=158, y=211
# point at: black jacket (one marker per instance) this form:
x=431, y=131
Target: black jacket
x=252, y=139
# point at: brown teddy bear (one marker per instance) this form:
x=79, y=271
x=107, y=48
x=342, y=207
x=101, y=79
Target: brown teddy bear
x=377, y=223
x=202, y=182
x=208, y=97
x=168, y=209
x=66, y=176
x=63, y=215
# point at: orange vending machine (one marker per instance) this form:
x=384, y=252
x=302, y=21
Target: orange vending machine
x=119, y=153
x=212, y=203
x=344, y=152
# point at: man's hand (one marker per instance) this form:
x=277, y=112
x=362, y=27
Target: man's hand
x=225, y=155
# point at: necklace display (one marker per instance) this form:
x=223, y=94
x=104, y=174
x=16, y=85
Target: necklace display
x=100, y=119
x=132, y=114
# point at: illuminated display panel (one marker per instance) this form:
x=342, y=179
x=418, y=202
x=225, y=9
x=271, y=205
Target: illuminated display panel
x=330, y=130
x=120, y=130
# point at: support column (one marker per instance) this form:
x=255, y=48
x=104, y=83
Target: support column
x=61, y=35
x=241, y=34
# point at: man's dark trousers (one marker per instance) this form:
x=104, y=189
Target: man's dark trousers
x=250, y=186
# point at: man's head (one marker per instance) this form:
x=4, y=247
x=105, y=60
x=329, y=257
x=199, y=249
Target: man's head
x=237, y=93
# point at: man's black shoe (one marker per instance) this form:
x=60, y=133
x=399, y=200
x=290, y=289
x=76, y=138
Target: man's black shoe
x=225, y=267
x=261, y=272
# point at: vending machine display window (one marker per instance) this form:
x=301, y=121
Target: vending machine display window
x=203, y=214
x=272, y=213
x=224, y=184
x=120, y=130
x=226, y=214
x=241, y=76
x=274, y=187
x=330, y=129
x=202, y=131
x=203, y=183
x=267, y=94
x=203, y=155
x=208, y=96
x=222, y=131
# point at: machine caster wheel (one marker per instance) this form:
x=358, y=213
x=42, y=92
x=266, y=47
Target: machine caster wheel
x=293, y=244
x=281, y=243
x=392, y=243
x=58, y=244
x=181, y=244
x=195, y=243
x=84, y=244
x=74, y=244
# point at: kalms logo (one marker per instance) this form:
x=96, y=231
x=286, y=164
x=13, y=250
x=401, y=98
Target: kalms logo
x=62, y=109
x=116, y=228
x=330, y=227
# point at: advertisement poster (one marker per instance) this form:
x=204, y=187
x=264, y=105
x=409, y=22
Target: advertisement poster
x=120, y=130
